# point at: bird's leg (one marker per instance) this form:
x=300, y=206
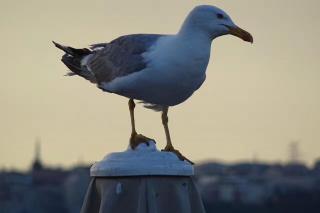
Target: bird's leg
x=136, y=138
x=132, y=105
x=169, y=147
x=165, y=120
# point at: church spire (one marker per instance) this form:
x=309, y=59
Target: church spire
x=37, y=164
x=37, y=149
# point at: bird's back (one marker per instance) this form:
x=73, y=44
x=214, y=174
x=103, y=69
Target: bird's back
x=104, y=62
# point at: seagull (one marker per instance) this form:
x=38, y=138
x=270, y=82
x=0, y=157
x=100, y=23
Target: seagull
x=159, y=70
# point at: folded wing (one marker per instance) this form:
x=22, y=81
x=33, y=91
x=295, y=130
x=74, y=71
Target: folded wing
x=104, y=62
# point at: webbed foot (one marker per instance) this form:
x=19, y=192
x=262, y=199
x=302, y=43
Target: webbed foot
x=177, y=152
x=137, y=139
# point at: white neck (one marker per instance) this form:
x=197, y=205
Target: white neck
x=189, y=30
x=198, y=41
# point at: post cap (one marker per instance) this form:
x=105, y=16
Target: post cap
x=143, y=161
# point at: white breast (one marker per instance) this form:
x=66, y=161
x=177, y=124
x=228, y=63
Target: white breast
x=180, y=58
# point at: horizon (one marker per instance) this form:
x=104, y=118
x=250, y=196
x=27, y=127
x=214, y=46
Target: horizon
x=80, y=163
x=255, y=101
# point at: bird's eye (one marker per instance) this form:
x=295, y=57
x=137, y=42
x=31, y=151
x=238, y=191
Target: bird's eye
x=220, y=16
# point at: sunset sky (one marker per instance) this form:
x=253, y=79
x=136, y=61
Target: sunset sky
x=255, y=101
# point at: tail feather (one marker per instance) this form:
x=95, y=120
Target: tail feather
x=72, y=59
x=72, y=51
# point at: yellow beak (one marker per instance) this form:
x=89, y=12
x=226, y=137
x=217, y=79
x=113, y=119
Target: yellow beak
x=240, y=33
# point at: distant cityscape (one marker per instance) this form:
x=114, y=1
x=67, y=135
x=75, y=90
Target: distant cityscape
x=241, y=187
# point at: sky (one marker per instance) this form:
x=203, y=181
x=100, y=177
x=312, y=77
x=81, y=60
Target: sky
x=255, y=101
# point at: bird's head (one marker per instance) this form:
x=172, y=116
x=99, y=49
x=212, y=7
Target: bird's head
x=214, y=22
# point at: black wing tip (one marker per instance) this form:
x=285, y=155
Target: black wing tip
x=57, y=45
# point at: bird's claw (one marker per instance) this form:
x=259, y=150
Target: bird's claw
x=137, y=139
x=177, y=152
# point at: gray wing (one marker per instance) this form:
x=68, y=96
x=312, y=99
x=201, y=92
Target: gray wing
x=120, y=57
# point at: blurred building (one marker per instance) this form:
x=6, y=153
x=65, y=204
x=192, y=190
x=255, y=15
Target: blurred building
x=242, y=187
x=43, y=189
x=254, y=187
